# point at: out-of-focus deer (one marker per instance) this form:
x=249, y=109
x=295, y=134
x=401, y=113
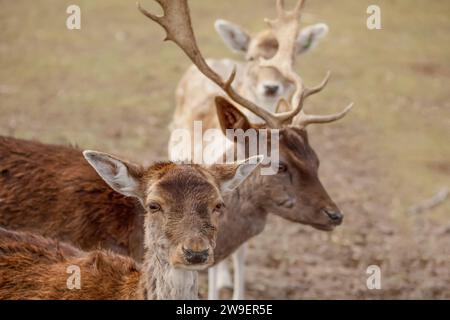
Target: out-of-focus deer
x=260, y=84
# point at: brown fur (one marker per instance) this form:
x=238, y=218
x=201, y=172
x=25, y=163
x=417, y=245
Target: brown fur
x=34, y=267
x=52, y=190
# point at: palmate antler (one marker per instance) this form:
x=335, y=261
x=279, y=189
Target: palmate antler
x=176, y=22
x=286, y=28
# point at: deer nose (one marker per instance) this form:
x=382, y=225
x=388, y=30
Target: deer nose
x=271, y=89
x=196, y=257
x=335, y=216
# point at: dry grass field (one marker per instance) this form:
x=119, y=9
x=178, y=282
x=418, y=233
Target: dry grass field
x=110, y=86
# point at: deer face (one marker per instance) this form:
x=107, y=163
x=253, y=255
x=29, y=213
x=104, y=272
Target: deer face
x=266, y=85
x=298, y=194
x=185, y=205
x=295, y=191
x=182, y=203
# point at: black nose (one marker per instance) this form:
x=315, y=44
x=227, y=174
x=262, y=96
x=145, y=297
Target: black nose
x=335, y=216
x=195, y=257
x=271, y=90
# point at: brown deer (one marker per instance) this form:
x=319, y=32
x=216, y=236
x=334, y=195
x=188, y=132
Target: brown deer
x=295, y=192
x=182, y=208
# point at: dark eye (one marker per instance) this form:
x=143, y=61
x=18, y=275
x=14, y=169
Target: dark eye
x=282, y=167
x=219, y=207
x=154, y=207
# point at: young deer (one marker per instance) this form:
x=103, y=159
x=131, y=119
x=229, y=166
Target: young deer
x=295, y=191
x=260, y=84
x=182, y=207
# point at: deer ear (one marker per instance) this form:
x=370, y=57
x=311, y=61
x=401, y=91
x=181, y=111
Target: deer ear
x=229, y=116
x=310, y=37
x=234, y=36
x=231, y=175
x=121, y=176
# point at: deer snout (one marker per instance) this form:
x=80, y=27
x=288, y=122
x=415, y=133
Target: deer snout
x=335, y=216
x=271, y=89
x=196, y=257
x=196, y=251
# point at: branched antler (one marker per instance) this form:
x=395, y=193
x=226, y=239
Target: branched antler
x=303, y=119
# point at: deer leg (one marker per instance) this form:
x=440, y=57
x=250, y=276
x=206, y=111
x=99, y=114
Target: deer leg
x=224, y=276
x=239, y=269
x=213, y=291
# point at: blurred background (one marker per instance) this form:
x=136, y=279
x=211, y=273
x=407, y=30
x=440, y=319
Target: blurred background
x=110, y=86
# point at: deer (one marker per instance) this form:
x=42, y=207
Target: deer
x=181, y=206
x=295, y=192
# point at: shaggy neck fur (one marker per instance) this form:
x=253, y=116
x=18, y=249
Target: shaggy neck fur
x=160, y=280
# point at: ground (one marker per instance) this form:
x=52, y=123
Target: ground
x=110, y=86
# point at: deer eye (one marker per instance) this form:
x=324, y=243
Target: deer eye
x=219, y=207
x=282, y=167
x=154, y=207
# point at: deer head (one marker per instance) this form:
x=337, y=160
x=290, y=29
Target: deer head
x=295, y=192
x=182, y=202
x=266, y=85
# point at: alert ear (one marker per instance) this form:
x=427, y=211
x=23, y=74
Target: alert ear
x=230, y=117
x=121, y=176
x=234, y=36
x=231, y=175
x=310, y=37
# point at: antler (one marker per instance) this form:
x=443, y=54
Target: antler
x=286, y=28
x=305, y=119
